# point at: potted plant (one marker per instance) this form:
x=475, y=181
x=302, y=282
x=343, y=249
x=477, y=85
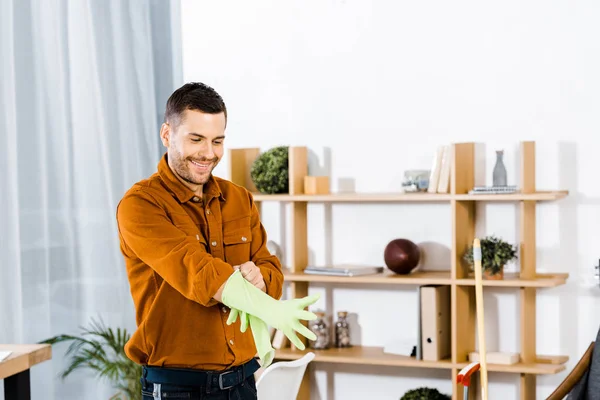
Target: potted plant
x=102, y=350
x=424, y=393
x=495, y=253
x=270, y=171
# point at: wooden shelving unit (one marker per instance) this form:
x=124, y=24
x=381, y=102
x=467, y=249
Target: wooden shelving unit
x=430, y=278
x=459, y=278
x=363, y=355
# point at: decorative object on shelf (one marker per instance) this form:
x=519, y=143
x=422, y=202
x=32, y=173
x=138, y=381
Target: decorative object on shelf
x=495, y=254
x=424, y=393
x=316, y=185
x=321, y=329
x=499, y=174
x=275, y=249
x=416, y=180
x=342, y=330
x=493, y=189
x=270, y=171
x=401, y=256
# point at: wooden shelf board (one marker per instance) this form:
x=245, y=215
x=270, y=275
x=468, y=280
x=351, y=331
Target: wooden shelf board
x=356, y=197
x=365, y=355
x=513, y=280
x=542, y=368
x=387, y=277
x=556, y=360
x=429, y=278
x=537, y=196
x=409, y=197
x=362, y=355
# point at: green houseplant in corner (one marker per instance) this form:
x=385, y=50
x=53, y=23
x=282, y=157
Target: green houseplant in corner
x=101, y=350
x=495, y=254
x=424, y=393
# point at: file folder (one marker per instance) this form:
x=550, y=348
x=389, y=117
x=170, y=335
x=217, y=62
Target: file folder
x=435, y=322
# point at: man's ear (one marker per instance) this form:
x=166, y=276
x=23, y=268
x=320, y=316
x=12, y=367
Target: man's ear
x=165, y=134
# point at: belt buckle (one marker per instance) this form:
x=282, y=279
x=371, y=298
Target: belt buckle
x=221, y=380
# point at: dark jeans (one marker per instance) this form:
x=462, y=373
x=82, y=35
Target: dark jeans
x=236, y=384
x=244, y=391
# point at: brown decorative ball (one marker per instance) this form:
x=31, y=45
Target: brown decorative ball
x=401, y=256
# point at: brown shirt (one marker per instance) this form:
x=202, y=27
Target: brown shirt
x=178, y=251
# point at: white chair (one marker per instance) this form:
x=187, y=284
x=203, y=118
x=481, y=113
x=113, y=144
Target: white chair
x=281, y=380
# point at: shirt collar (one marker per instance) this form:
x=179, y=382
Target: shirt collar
x=179, y=190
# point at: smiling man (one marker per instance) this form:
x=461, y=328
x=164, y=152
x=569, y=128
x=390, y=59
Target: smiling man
x=183, y=233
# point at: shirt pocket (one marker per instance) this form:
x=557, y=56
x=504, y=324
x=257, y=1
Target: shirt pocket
x=186, y=224
x=237, y=245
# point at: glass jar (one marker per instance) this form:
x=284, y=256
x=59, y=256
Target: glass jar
x=321, y=330
x=342, y=330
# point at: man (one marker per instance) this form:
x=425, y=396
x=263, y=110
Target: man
x=183, y=233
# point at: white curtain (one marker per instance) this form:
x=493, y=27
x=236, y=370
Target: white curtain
x=83, y=85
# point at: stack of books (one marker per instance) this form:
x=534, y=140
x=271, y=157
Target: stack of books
x=344, y=270
x=493, y=189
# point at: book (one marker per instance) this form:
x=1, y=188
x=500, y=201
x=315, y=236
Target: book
x=4, y=355
x=493, y=189
x=344, y=270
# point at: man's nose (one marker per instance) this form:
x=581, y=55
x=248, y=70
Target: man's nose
x=209, y=151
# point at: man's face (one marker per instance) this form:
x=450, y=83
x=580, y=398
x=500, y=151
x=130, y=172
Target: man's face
x=195, y=147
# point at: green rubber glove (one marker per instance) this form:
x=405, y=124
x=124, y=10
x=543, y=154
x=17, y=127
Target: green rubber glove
x=283, y=315
x=260, y=333
x=262, y=340
x=233, y=315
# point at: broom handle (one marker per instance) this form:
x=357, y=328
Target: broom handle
x=480, y=321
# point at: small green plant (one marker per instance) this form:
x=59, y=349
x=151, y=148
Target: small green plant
x=102, y=350
x=270, y=171
x=495, y=253
x=424, y=393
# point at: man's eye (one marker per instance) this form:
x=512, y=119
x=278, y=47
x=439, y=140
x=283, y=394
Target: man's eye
x=196, y=140
x=218, y=142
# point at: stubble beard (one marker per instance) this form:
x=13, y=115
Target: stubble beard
x=182, y=167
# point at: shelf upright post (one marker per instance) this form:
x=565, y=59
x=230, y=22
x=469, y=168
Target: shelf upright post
x=298, y=169
x=463, y=231
x=240, y=163
x=527, y=257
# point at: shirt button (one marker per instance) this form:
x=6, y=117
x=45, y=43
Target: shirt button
x=244, y=238
x=214, y=244
x=224, y=310
x=208, y=211
x=196, y=199
x=231, y=342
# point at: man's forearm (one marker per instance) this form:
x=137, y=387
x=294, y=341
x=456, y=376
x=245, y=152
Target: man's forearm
x=219, y=295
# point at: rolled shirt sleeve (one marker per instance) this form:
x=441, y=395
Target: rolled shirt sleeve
x=269, y=265
x=177, y=257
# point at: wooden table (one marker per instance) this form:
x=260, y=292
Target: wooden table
x=15, y=369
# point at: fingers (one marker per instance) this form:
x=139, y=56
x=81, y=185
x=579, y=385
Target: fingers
x=306, y=315
x=244, y=321
x=252, y=274
x=304, y=331
x=233, y=314
x=309, y=300
x=294, y=339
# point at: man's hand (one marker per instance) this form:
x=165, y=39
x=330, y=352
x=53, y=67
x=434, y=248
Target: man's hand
x=252, y=274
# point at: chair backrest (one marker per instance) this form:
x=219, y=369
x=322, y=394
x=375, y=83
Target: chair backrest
x=281, y=380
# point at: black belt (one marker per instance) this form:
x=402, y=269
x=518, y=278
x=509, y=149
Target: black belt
x=190, y=377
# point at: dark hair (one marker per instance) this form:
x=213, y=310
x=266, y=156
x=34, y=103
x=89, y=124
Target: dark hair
x=193, y=96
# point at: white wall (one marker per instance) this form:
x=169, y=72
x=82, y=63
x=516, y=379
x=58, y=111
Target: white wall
x=372, y=88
